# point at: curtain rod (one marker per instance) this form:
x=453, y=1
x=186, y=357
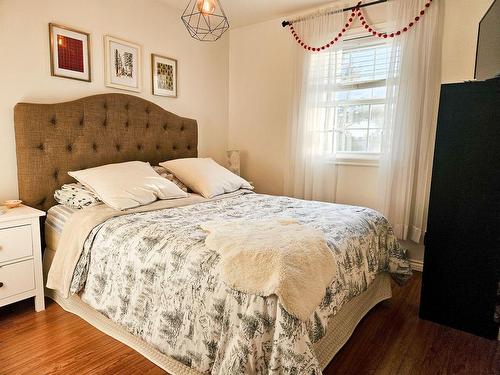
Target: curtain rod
x=286, y=23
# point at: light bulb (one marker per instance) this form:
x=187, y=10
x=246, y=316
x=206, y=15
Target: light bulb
x=206, y=6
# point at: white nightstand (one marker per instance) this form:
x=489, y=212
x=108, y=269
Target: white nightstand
x=21, y=256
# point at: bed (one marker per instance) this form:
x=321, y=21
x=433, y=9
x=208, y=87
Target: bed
x=187, y=321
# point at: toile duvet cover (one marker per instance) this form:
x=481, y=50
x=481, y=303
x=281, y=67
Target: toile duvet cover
x=151, y=273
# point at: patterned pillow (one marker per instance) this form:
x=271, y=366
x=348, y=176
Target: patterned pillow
x=76, y=196
x=169, y=176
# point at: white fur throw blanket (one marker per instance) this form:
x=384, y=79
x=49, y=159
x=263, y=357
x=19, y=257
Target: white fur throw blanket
x=278, y=256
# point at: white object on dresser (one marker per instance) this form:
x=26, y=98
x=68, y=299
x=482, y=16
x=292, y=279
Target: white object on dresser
x=21, y=256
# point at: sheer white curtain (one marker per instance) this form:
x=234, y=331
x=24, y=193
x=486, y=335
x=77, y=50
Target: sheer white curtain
x=311, y=173
x=413, y=90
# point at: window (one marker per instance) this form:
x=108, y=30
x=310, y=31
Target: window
x=352, y=95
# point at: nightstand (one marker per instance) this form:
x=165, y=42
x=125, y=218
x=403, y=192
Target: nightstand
x=21, y=256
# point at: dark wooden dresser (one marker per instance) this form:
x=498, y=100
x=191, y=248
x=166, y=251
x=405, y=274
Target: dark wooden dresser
x=462, y=245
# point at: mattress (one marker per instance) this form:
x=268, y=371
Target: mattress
x=57, y=217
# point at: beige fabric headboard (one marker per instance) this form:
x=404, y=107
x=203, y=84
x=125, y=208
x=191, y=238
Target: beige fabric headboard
x=52, y=139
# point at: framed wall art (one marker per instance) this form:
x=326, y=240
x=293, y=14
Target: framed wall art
x=69, y=53
x=164, y=76
x=122, y=62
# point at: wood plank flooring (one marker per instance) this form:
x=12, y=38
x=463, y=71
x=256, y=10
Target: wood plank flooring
x=391, y=339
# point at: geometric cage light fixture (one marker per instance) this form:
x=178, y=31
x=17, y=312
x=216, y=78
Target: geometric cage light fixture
x=205, y=20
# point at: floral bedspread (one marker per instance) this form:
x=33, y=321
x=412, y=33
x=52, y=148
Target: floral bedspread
x=151, y=273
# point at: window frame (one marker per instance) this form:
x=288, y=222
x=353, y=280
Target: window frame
x=370, y=159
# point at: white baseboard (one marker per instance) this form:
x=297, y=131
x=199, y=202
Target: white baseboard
x=417, y=265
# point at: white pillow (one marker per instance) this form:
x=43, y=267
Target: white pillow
x=127, y=185
x=205, y=176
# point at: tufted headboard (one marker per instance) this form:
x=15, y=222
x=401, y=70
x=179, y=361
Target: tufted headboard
x=52, y=139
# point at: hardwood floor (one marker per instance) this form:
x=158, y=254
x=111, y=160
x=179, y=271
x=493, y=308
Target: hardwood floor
x=390, y=340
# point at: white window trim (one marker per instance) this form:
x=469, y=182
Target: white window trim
x=364, y=159
x=361, y=85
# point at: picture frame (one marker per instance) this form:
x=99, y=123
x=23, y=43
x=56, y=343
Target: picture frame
x=69, y=53
x=122, y=62
x=164, y=76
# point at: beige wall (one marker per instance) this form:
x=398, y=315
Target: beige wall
x=259, y=87
x=25, y=69
x=461, y=23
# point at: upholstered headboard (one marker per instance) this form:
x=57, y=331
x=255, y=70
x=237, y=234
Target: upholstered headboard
x=52, y=139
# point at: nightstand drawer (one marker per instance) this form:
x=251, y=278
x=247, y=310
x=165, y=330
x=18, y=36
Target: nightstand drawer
x=16, y=278
x=15, y=242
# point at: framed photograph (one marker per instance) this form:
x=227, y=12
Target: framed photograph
x=164, y=73
x=122, y=62
x=69, y=53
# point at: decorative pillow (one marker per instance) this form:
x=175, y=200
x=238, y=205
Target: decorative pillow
x=76, y=196
x=162, y=171
x=127, y=185
x=205, y=176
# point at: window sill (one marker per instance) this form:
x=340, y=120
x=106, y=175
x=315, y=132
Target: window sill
x=364, y=160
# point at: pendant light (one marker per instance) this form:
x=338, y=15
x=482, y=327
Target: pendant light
x=205, y=20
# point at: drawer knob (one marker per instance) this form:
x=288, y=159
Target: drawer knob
x=1, y=284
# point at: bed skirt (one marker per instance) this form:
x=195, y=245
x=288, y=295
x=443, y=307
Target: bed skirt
x=339, y=330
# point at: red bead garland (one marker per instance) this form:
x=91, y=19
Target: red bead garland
x=332, y=42
x=357, y=13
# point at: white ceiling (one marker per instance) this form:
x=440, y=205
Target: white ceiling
x=247, y=12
